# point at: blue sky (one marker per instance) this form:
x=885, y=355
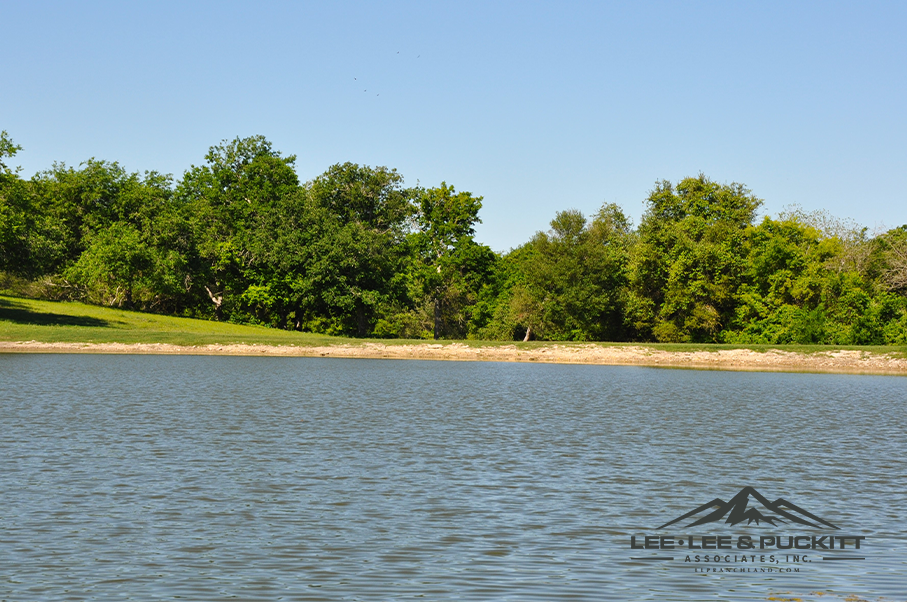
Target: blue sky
x=537, y=106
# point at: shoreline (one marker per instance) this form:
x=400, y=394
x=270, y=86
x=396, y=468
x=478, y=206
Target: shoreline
x=773, y=360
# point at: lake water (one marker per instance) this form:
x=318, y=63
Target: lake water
x=214, y=478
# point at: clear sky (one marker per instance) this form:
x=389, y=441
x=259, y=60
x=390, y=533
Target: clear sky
x=537, y=106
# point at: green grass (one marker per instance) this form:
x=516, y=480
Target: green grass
x=24, y=319
x=65, y=322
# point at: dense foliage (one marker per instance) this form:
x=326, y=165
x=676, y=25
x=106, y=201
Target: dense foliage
x=356, y=252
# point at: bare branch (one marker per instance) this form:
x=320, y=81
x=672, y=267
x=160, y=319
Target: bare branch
x=895, y=277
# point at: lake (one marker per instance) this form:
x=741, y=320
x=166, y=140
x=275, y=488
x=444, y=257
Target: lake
x=214, y=478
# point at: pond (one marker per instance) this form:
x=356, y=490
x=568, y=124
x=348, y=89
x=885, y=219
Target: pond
x=214, y=478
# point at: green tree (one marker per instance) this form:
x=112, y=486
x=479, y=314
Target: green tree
x=285, y=242
x=116, y=268
x=779, y=297
x=355, y=266
x=226, y=200
x=689, y=259
x=803, y=284
x=112, y=237
x=451, y=264
x=8, y=149
x=572, y=280
x=15, y=224
x=74, y=204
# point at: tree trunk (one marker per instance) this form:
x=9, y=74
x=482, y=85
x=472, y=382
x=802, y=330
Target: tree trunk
x=437, y=318
x=218, y=300
x=360, y=322
x=528, y=334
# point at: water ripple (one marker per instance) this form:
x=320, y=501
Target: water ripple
x=213, y=478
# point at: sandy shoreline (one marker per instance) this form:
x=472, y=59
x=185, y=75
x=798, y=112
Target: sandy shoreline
x=848, y=362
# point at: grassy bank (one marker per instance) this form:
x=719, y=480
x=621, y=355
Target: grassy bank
x=65, y=322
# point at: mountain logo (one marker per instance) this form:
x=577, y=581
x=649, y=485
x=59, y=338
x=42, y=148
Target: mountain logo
x=739, y=509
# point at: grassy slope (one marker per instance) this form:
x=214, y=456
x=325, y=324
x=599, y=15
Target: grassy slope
x=52, y=322
x=55, y=322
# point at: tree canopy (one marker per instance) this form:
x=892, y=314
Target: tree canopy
x=355, y=251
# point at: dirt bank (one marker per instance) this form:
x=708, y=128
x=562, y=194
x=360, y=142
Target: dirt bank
x=855, y=362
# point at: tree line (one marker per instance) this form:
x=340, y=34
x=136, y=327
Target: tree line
x=356, y=252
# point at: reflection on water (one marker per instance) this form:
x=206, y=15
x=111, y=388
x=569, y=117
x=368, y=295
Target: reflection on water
x=207, y=478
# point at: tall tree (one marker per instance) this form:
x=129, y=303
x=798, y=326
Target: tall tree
x=78, y=202
x=447, y=252
x=357, y=255
x=689, y=259
x=15, y=223
x=226, y=199
x=573, y=278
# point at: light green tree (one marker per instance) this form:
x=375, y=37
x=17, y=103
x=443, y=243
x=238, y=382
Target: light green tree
x=572, y=279
x=447, y=254
x=689, y=259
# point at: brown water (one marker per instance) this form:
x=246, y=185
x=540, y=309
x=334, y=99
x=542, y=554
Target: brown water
x=214, y=478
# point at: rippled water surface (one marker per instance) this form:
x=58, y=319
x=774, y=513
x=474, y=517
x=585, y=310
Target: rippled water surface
x=211, y=478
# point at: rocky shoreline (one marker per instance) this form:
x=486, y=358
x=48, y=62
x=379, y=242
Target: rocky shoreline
x=775, y=360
